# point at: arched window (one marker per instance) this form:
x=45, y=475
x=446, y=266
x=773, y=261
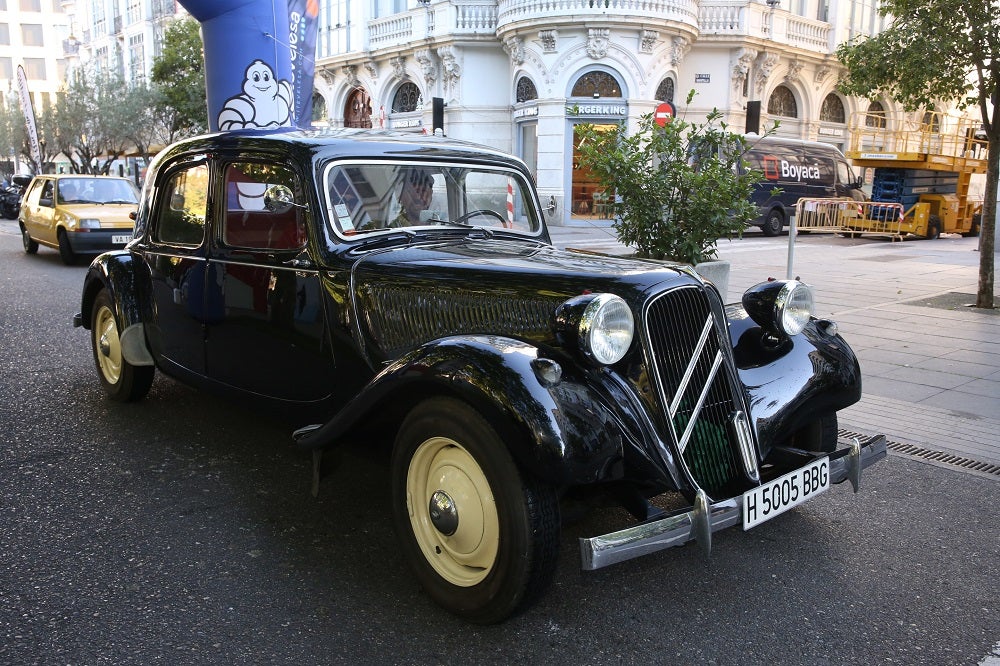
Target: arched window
x=319, y=108
x=931, y=121
x=406, y=98
x=358, y=110
x=665, y=91
x=596, y=84
x=832, y=110
x=782, y=103
x=876, y=115
x=525, y=90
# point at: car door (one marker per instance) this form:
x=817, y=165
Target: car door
x=176, y=255
x=40, y=211
x=270, y=339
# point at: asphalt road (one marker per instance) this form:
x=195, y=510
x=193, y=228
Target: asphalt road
x=181, y=530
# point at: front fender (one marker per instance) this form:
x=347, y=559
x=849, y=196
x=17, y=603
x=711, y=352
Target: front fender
x=793, y=382
x=563, y=433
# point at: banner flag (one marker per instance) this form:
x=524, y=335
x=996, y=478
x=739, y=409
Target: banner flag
x=29, y=117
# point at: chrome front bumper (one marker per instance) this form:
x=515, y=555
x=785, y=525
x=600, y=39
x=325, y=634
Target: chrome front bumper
x=698, y=523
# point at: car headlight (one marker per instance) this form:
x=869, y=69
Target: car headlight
x=781, y=307
x=601, y=324
x=90, y=223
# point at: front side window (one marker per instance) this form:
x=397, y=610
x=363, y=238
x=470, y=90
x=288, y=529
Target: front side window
x=371, y=197
x=183, y=207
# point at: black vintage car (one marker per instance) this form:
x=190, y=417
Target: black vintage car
x=403, y=289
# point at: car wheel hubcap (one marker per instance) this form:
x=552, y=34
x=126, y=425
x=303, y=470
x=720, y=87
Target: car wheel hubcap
x=108, y=345
x=443, y=479
x=444, y=513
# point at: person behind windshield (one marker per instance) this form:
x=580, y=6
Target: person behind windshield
x=414, y=197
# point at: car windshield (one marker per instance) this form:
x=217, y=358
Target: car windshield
x=96, y=190
x=367, y=198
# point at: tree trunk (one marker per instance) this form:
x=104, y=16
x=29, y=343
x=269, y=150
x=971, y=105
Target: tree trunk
x=987, y=229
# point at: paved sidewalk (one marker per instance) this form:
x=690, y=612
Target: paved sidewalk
x=931, y=364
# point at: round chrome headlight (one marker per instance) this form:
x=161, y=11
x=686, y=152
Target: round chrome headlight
x=794, y=307
x=606, y=329
x=781, y=307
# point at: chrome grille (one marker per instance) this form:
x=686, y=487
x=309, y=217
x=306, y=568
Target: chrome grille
x=689, y=362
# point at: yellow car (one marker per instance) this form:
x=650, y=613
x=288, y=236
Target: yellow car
x=77, y=214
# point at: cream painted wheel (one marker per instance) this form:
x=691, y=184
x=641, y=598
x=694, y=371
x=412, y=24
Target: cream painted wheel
x=481, y=535
x=121, y=380
x=107, y=345
x=452, y=512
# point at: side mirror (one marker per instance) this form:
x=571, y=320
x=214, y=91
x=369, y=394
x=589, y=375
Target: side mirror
x=280, y=199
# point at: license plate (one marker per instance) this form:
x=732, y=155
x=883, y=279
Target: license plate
x=120, y=239
x=778, y=496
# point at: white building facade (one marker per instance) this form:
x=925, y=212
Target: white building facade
x=519, y=74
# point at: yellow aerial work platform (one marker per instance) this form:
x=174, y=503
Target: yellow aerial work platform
x=939, y=144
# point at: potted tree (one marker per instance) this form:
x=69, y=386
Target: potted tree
x=674, y=190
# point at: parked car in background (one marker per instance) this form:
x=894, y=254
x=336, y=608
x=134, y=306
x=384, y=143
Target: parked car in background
x=77, y=214
x=10, y=195
x=400, y=291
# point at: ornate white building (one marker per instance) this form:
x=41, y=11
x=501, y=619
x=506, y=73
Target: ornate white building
x=519, y=74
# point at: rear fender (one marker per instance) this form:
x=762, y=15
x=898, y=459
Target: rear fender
x=561, y=432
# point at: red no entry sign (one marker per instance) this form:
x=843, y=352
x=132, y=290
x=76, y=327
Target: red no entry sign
x=664, y=113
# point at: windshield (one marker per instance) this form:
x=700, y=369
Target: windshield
x=367, y=198
x=96, y=190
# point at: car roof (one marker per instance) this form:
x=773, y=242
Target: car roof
x=332, y=143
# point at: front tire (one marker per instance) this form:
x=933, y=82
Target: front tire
x=481, y=536
x=122, y=381
x=65, y=250
x=773, y=223
x=933, y=227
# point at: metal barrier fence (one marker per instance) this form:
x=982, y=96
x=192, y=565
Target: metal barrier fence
x=847, y=216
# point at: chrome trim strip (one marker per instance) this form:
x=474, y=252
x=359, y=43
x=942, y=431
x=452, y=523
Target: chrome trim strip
x=686, y=525
x=692, y=364
x=692, y=422
x=745, y=437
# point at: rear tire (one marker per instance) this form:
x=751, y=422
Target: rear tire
x=481, y=536
x=773, y=223
x=122, y=381
x=30, y=245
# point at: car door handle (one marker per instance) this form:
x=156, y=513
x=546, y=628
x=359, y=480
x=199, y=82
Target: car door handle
x=298, y=263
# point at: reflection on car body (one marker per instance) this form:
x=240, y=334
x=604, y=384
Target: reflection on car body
x=508, y=377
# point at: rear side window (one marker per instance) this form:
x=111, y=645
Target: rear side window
x=248, y=223
x=183, y=207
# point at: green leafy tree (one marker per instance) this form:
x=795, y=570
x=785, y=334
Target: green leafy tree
x=12, y=130
x=179, y=74
x=92, y=121
x=673, y=190
x=938, y=50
